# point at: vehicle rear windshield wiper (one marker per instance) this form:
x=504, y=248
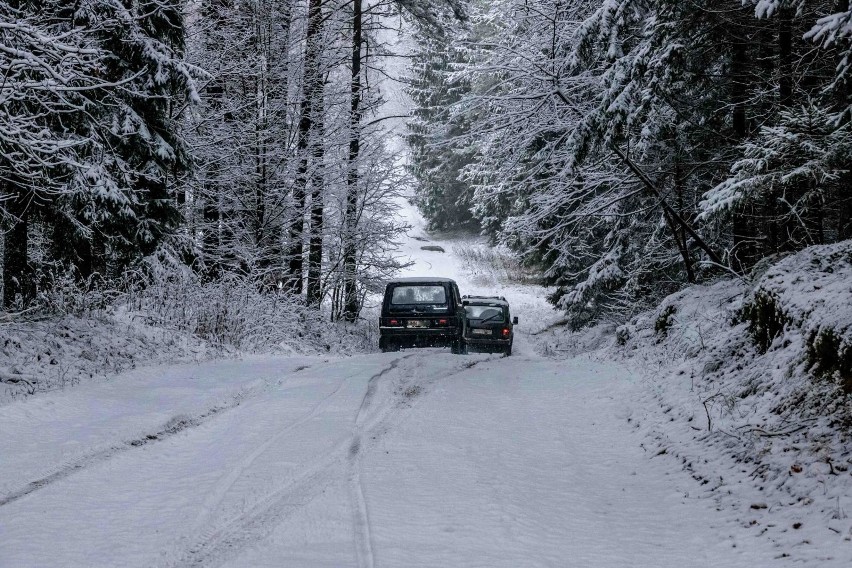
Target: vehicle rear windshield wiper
x=491, y=318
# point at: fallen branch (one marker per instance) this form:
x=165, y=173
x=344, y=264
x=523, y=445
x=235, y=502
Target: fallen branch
x=11, y=316
x=765, y=433
x=12, y=379
x=702, y=244
x=707, y=410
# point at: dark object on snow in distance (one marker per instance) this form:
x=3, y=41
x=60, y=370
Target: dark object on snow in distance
x=422, y=312
x=434, y=248
x=490, y=326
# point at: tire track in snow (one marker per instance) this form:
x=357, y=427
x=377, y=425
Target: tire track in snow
x=175, y=425
x=360, y=513
x=360, y=510
x=218, y=544
x=228, y=481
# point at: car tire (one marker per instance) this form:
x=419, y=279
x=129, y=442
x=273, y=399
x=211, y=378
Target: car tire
x=387, y=345
x=457, y=347
x=508, y=351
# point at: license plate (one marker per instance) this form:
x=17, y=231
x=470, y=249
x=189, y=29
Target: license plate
x=417, y=323
x=482, y=332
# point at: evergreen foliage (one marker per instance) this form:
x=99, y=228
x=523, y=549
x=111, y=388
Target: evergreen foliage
x=629, y=147
x=437, y=160
x=92, y=146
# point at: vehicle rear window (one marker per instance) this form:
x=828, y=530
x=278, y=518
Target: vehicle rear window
x=407, y=295
x=491, y=313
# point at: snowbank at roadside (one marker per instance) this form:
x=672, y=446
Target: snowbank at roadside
x=49, y=353
x=52, y=353
x=806, y=299
x=747, y=386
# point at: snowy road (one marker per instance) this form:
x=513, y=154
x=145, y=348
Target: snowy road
x=419, y=458
x=413, y=459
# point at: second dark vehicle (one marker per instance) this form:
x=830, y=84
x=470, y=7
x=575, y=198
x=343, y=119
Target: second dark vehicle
x=490, y=326
x=422, y=312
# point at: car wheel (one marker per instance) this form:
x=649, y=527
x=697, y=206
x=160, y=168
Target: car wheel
x=457, y=347
x=508, y=351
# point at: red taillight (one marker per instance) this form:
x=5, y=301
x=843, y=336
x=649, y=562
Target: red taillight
x=442, y=321
x=506, y=332
x=393, y=322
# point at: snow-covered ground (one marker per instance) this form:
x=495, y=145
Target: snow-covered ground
x=418, y=458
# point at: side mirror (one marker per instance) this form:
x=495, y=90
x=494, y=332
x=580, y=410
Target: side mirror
x=464, y=302
x=515, y=320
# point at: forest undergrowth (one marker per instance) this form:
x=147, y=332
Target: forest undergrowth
x=81, y=332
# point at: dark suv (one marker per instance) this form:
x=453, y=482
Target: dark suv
x=422, y=312
x=490, y=327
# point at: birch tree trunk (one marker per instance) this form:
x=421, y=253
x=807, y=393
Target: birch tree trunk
x=311, y=91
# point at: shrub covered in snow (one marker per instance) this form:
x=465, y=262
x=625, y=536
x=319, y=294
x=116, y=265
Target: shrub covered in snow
x=46, y=353
x=80, y=329
x=234, y=312
x=488, y=265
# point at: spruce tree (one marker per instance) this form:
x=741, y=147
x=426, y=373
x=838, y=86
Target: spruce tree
x=128, y=198
x=437, y=156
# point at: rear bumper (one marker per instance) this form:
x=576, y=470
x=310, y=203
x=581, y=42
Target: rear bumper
x=405, y=331
x=425, y=337
x=495, y=341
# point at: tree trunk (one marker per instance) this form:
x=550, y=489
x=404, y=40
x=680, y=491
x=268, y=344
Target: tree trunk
x=668, y=210
x=261, y=182
x=351, y=306
x=312, y=87
x=211, y=242
x=790, y=225
x=678, y=232
x=315, y=247
x=17, y=280
x=90, y=254
x=785, y=56
x=742, y=255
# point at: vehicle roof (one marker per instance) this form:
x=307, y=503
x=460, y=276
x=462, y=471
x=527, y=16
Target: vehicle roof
x=486, y=300
x=422, y=280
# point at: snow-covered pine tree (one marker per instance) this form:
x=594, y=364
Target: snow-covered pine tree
x=437, y=160
x=543, y=187
x=603, y=124
x=48, y=72
x=792, y=169
x=105, y=86
x=125, y=202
